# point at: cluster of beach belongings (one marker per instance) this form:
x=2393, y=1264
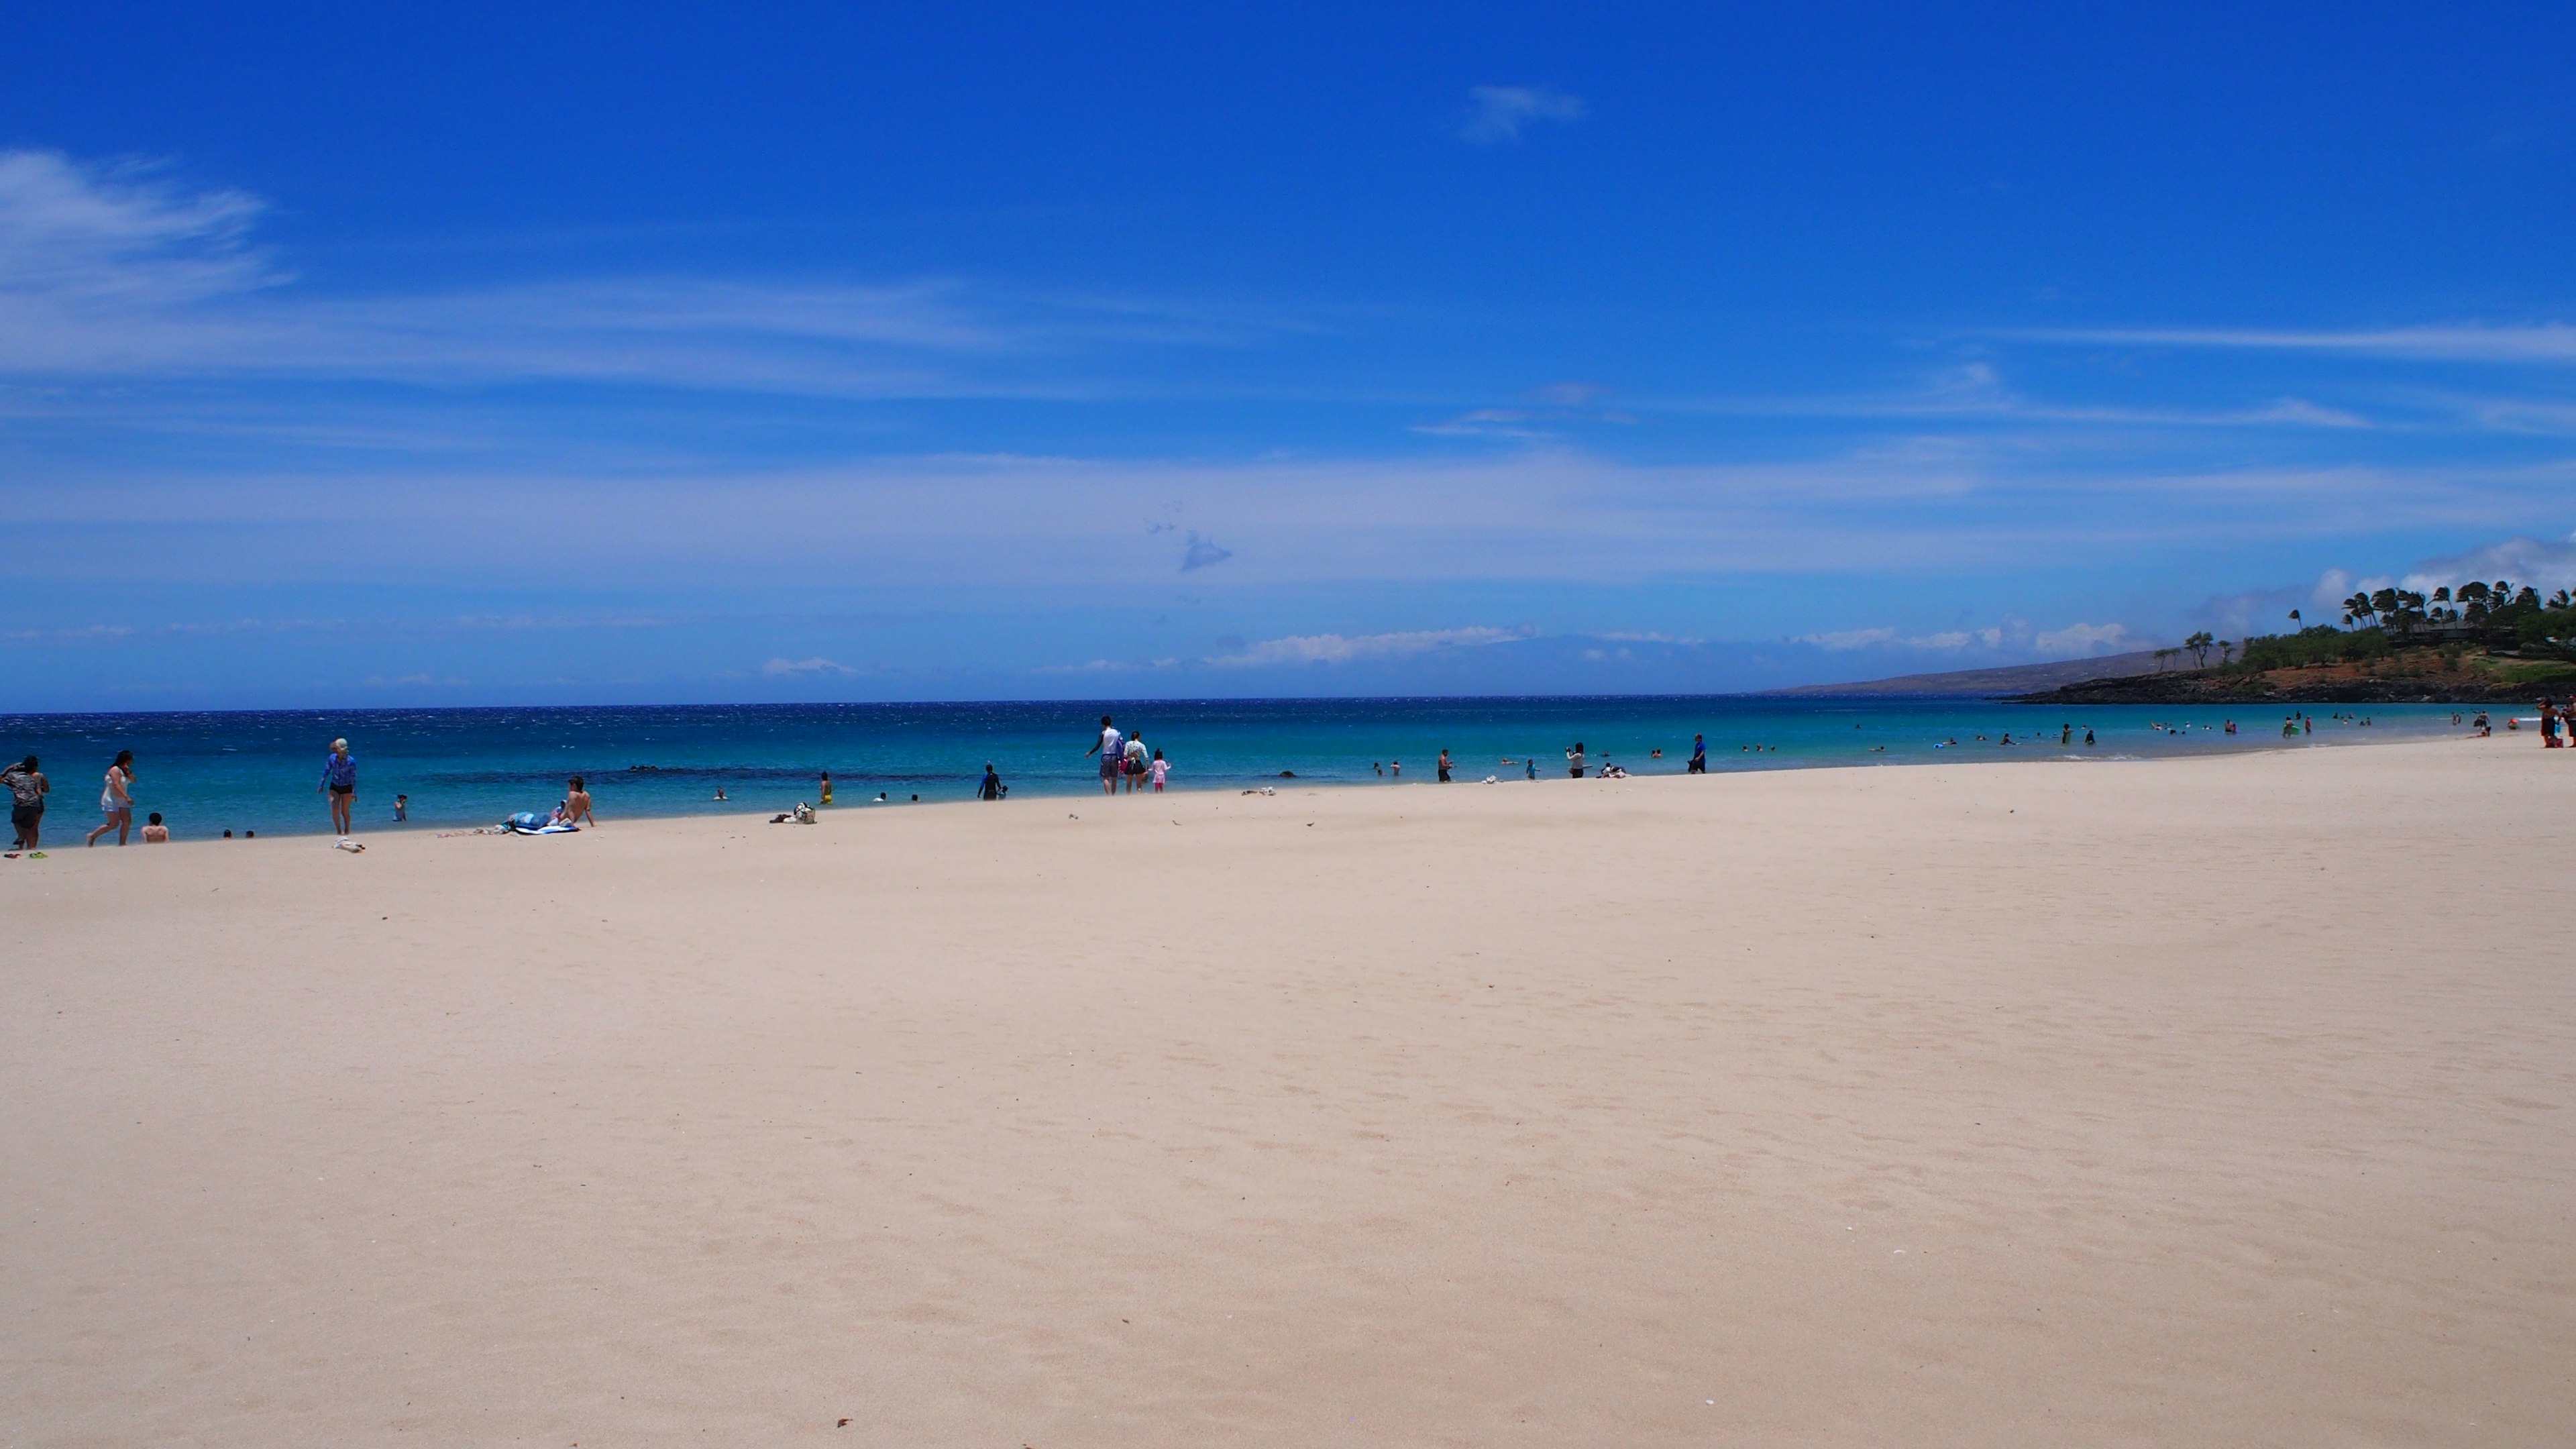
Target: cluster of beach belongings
x=530, y=822
x=803, y=814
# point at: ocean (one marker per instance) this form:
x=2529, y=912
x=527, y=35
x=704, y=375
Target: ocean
x=259, y=770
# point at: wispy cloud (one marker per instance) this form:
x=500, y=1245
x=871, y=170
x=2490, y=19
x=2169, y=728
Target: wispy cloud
x=1342, y=648
x=2546, y=342
x=1202, y=553
x=2073, y=641
x=1484, y=423
x=1497, y=113
x=117, y=271
x=803, y=668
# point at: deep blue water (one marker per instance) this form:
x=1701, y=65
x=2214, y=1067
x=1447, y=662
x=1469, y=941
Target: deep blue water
x=258, y=770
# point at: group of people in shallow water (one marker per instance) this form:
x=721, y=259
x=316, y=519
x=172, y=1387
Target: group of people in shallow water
x=1124, y=760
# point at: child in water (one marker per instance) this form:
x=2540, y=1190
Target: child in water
x=1162, y=771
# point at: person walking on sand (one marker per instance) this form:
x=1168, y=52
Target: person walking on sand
x=116, y=801
x=27, y=789
x=576, y=806
x=1444, y=767
x=340, y=782
x=1699, y=755
x=1113, y=756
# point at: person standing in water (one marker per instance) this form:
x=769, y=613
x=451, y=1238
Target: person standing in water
x=1113, y=756
x=991, y=789
x=1162, y=771
x=1574, y=761
x=1699, y=755
x=340, y=782
x=116, y=801
x=827, y=787
x=1444, y=767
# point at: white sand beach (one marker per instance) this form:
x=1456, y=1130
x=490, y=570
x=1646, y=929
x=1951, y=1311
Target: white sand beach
x=2224, y=1101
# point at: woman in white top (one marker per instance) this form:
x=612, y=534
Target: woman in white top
x=117, y=800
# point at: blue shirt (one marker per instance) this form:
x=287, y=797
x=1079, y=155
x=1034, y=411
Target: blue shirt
x=340, y=771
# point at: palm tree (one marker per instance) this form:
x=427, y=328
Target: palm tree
x=2226, y=651
x=2357, y=608
x=2199, y=644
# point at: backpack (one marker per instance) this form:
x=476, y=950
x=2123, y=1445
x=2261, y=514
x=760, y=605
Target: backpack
x=23, y=788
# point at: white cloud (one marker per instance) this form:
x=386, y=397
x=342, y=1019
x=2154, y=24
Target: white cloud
x=784, y=668
x=1497, y=113
x=1882, y=638
x=2546, y=342
x=2544, y=565
x=120, y=234
x=117, y=271
x=1342, y=649
x=1484, y=423
x=2013, y=636
x=1849, y=639
x=2086, y=639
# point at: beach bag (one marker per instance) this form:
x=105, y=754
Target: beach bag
x=24, y=791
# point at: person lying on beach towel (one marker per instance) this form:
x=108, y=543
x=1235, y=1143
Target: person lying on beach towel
x=529, y=822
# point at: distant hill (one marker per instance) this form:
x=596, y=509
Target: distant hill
x=2018, y=679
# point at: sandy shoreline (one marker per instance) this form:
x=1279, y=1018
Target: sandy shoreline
x=2220, y=1100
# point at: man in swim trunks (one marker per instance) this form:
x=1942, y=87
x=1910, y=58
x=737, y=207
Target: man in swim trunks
x=1699, y=755
x=1111, y=748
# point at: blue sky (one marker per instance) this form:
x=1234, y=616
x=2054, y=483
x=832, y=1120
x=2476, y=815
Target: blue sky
x=633, y=353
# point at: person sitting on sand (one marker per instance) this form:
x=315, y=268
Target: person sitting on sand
x=154, y=832
x=576, y=806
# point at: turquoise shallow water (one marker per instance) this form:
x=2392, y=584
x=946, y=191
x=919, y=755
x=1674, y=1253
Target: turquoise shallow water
x=258, y=770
